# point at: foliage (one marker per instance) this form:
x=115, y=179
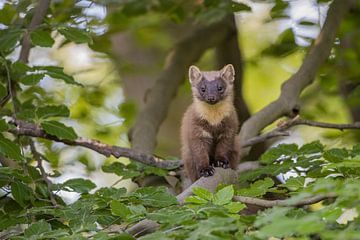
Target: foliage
x=31, y=206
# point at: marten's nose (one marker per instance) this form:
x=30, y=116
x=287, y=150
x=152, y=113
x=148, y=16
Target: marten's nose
x=211, y=99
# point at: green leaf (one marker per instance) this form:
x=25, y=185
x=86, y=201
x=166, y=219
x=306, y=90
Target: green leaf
x=235, y=207
x=9, y=38
x=119, y=209
x=38, y=229
x=32, y=79
x=52, y=111
x=78, y=185
x=3, y=126
x=224, y=195
x=257, y=189
x=311, y=148
x=155, y=197
x=41, y=38
x=173, y=215
x=3, y=91
x=202, y=193
x=20, y=192
x=237, y=7
x=275, y=153
x=294, y=183
x=10, y=149
x=57, y=73
x=195, y=199
x=336, y=155
x=120, y=170
x=59, y=130
x=75, y=35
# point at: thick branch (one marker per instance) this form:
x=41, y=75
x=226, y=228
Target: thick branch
x=185, y=53
x=283, y=203
x=287, y=103
x=228, y=51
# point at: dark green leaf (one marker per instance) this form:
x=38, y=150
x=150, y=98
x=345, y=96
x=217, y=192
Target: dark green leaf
x=119, y=209
x=52, y=111
x=59, y=130
x=38, y=229
x=20, y=192
x=41, y=38
x=10, y=149
x=32, y=79
x=9, y=38
x=79, y=185
x=57, y=73
x=3, y=126
x=237, y=7
x=120, y=170
x=257, y=189
x=75, y=35
x=336, y=154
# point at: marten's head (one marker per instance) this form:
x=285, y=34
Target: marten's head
x=214, y=86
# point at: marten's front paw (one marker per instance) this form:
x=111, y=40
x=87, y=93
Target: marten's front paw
x=224, y=163
x=207, y=171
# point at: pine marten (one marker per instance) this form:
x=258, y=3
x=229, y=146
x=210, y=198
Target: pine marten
x=210, y=124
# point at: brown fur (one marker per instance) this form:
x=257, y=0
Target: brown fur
x=208, y=132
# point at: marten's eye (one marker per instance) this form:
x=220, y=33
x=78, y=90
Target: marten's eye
x=202, y=89
x=220, y=88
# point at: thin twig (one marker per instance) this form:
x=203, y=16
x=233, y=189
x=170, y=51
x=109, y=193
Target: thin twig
x=38, y=158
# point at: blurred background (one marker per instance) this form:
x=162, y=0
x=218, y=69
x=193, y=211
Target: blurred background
x=131, y=42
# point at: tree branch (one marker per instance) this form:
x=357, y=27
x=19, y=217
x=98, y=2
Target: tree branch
x=287, y=103
x=185, y=53
x=39, y=15
x=38, y=157
x=283, y=203
x=32, y=130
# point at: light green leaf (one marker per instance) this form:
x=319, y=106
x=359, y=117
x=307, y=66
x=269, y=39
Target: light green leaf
x=75, y=35
x=59, y=130
x=257, y=189
x=32, y=79
x=202, y=193
x=41, y=38
x=294, y=183
x=52, y=111
x=119, y=209
x=224, y=195
x=195, y=199
x=235, y=207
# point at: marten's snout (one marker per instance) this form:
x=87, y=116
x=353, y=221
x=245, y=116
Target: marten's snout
x=212, y=99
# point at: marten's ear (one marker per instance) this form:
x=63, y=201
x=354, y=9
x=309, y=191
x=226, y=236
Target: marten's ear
x=228, y=73
x=194, y=74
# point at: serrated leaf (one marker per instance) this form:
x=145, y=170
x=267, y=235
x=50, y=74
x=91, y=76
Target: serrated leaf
x=235, y=207
x=52, y=111
x=336, y=154
x=32, y=79
x=294, y=183
x=78, y=185
x=120, y=170
x=20, y=192
x=195, y=199
x=257, y=189
x=59, y=130
x=41, y=38
x=75, y=35
x=57, y=73
x=3, y=126
x=119, y=209
x=274, y=154
x=202, y=193
x=9, y=38
x=155, y=197
x=224, y=195
x=38, y=229
x=10, y=149
x=172, y=215
x=311, y=148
